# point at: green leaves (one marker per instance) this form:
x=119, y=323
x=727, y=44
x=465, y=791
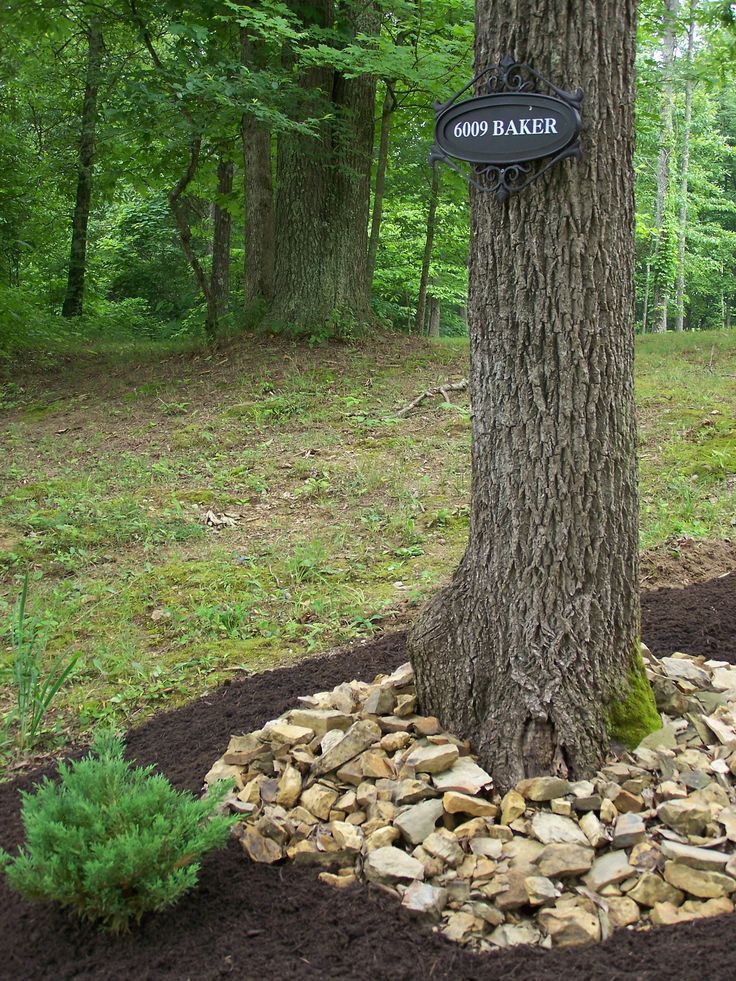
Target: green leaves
x=113, y=842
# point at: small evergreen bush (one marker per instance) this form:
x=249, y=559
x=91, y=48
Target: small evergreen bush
x=113, y=842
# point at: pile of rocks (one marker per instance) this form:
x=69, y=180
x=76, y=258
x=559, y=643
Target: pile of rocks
x=355, y=782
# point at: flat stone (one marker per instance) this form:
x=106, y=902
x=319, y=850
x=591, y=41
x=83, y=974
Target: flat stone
x=392, y=742
x=427, y=725
x=339, y=881
x=432, y=759
x=561, y=860
x=645, y=856
x=221, y=771
x=623, y=911
x=381, y=838
x=376, y=766
x=629, y=830
x=651, y=889
x=345, y=835
x=319, y=800
x=286, y=734
x=412, y=791
x=607, y=868
x=593, y=830
x=561, y=806
x=380, y=701
x=570, y=926
x=460, y=926
x=513, y=806
x=259, y=848
x=687, y=816
x=289, y=786
x=444, y=845
x=455, y=803
x=697, y=882
x=515, y=934
x=391, y=865
x=242, y=750
x=665, y=914
x=320, y=721
x=464, y=775
x=359, y=737
x=514, y=894
x=543, y=788
x=540, y=890
x=490, y=847
x=548, y=828
x=424, y=899
x=419, y=820
x=684, y=670
x=696, y=858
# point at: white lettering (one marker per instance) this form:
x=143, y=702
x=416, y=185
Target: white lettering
x=524, y=127
x=551, y=125
x=498, y=127
x=511, y=129
x=538, y=127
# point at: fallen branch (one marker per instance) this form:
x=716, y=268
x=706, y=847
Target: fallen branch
x=442, y=390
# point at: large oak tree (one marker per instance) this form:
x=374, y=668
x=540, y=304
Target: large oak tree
x=532, y=649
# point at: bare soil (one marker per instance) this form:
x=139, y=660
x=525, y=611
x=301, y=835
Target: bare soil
x=252, y=921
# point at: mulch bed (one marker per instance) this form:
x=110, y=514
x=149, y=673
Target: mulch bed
x=253, y=921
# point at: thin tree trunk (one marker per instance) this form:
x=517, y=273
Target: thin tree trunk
x=74, y=299
x=666, y=137
x=645, y=311
x=427, y=258
x=378, y=192
x=529, y=647
x=220, y=275
x=682, y=231
x=260, y=222
x=434, y=317
x=323, y=197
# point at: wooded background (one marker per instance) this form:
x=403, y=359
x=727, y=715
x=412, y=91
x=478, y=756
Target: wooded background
x=172, y=169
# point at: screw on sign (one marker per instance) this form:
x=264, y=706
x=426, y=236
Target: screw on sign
x=510, y=132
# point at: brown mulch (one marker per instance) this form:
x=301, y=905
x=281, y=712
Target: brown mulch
x=252, y=921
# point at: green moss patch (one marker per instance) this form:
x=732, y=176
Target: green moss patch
x=635, y=715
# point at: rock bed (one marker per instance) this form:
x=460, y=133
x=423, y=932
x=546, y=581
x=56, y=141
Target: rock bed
x=354, y=782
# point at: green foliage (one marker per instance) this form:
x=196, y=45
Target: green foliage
x=112, y=842
x=33, y=690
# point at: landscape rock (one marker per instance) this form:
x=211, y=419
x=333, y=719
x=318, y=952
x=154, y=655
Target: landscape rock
x=570, y=926
x=548, y=827
x=425, y=900
x=563, y=860
x=543, y=788
x=464, y=776
x=456, y=803
x=629, y=830
x=697, y=882
x=390, y=865
x=651, y=889
x=513, y=806
x=609, y=868
x=432, y=759
x=361, y=735
x=418, y=821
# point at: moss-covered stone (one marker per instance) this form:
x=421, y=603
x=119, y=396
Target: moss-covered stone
x=634, y=715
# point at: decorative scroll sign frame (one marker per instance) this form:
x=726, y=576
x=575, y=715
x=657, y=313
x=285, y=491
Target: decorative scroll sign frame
x=498, y=90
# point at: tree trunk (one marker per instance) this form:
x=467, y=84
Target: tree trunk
x=220, y=275
x=434, y=317
x=74, y=299
x=260, y=229
x=682, y=231
x=323, y=199
x=388, y=108
x=666, y=138
x=645, y=311
x=531, y=644
x=427, y=258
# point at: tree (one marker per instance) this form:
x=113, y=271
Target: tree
x=74, y=299
x=532, y=650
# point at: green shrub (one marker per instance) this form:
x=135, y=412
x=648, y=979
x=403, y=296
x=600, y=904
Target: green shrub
x=113, y=842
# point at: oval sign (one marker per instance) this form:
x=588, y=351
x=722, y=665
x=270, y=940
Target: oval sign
x=506, y=128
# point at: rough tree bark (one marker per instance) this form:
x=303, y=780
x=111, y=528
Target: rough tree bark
x=427, y=257
x=260, y=227
x=220, y=275
x=323, y=195
x=661, y=298
x=74, y=298
x=682, y=230
x=389, y=104
x=535, y=641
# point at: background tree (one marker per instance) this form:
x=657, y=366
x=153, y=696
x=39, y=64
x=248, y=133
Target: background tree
x=534, y=642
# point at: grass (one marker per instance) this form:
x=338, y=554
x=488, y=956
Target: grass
x=343, y=516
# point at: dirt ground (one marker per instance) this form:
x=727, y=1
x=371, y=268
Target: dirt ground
x=252, y=921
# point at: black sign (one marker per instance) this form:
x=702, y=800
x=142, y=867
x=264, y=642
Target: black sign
x=509, y=131
x=508, y=128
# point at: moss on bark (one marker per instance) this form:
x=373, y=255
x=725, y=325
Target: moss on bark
x=634, y=715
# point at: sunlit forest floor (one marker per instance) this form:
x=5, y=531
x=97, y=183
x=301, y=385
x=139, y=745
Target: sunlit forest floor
x=332, y=516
